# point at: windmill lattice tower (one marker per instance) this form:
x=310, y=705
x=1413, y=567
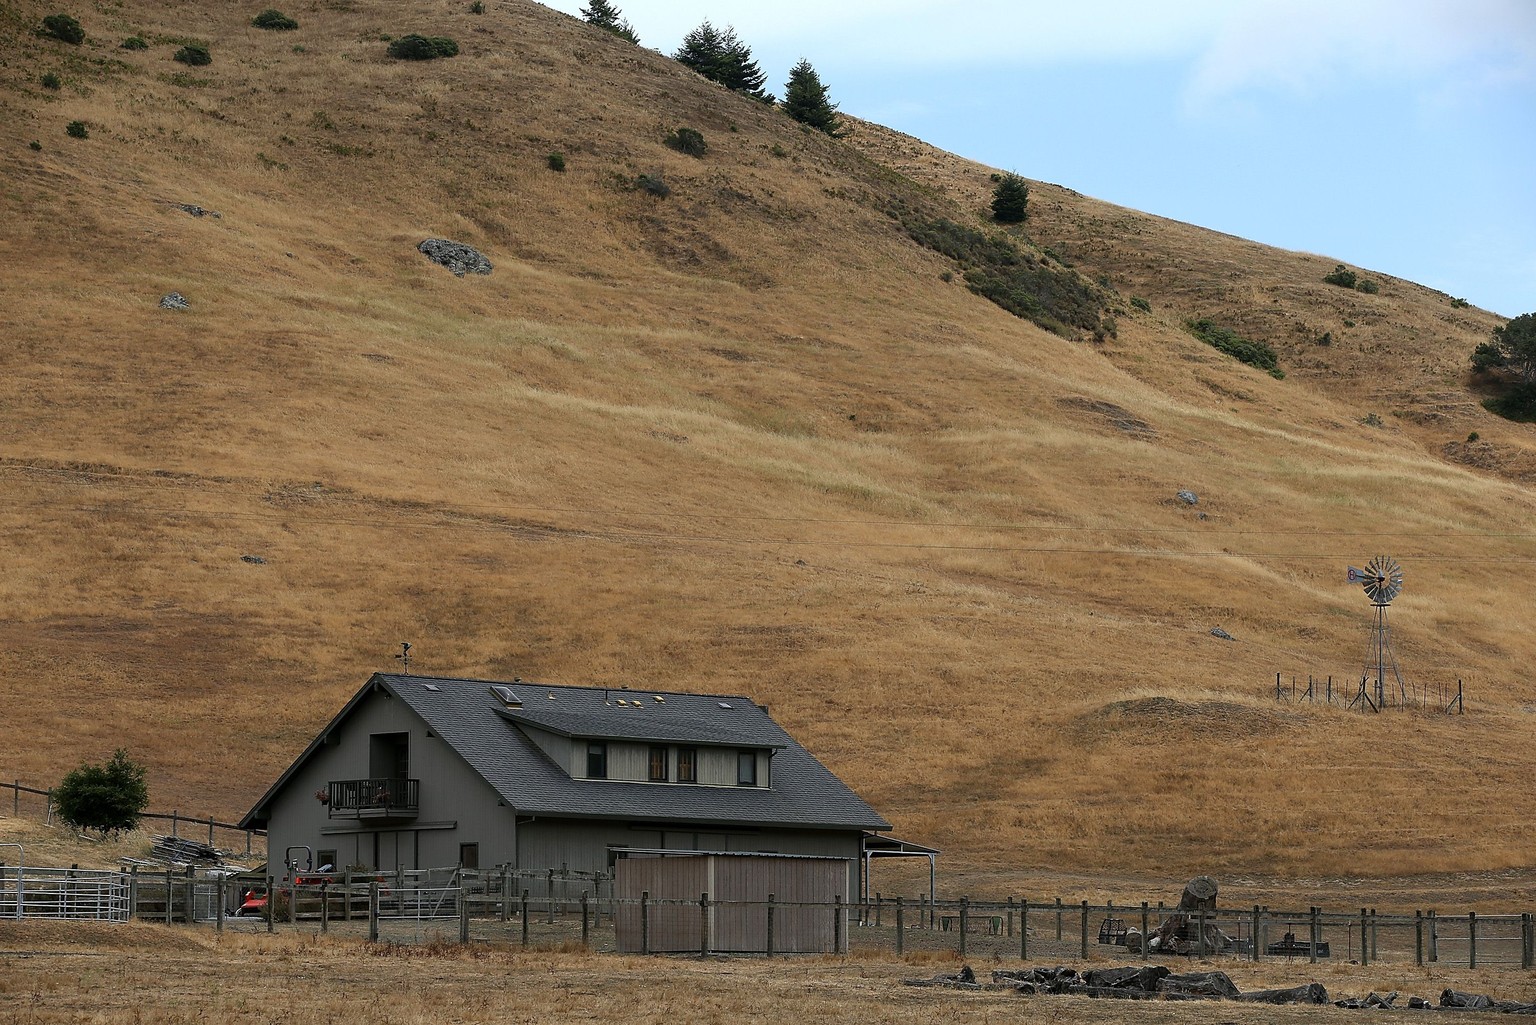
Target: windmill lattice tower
x=1382, y=580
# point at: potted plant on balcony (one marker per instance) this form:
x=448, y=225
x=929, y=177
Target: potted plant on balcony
x=323, y=796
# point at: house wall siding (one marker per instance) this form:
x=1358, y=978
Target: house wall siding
x=450, y=792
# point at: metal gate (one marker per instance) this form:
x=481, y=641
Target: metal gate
x=63, y=893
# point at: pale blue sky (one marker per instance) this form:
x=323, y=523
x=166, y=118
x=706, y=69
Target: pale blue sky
x=1394, y=135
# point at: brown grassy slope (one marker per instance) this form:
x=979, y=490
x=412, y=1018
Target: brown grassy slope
x=741, y=439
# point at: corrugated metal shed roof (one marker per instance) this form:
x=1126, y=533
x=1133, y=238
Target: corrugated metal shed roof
x=483, y=730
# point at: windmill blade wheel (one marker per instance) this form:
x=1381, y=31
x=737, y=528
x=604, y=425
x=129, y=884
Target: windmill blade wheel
x=1383, y=579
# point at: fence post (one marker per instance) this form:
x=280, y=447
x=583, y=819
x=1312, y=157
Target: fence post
x=133, y=892
x=16, y=800
x=218, y=904
x=965, y=921
x=346, y=900
x=1317, y=936
x=769, y=949
x=1434, y=936
x=645, y=921
x=839, y=923
x=1085, y=930
x=169, y=895
x=901, y=926
x=1528, y=941
x=1253, y=940
x=879, y=903
x=1200, y=939
x=1024, y=928
x=1418, y=937
x=522, y=912
x=1145, y=927
x=1471, y=939
x=247, y=843
x=175, y=824
x=1365, y=947
x=506, y=894
x=325, y=908
x=550, y=884
x=210, y=831
x=1058, y=918
x=584, y=933
x=463, y=910
x=703, y=923
x=1373, y=934
x=1010, y=917
x=271, y=908
x=373, y=910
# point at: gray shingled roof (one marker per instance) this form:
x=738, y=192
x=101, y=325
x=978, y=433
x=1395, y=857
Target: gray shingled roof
x=481, y=728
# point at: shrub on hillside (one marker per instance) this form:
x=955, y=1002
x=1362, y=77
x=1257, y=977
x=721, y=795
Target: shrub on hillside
x=193, y=54
x=134, y=43
x=556, y=161
x=415, y=47
x=1341, y=276
x=107, y=798
x=275, y=20
x=1459, y=304
x=654, y=185
x=477, y=7
x=63, y=28
x=689, y=141
x=51, y=81
x=1367, y=286
x=1141, y=304
x=1245, y=350
x=77, y=130
x=1014, y=277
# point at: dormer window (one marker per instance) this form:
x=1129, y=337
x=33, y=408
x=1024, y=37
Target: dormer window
x=657, y=772
x=597, y=760
x=746, y=768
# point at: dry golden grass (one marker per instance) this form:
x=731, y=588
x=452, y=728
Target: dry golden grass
x=744, y=439
x=120, y=974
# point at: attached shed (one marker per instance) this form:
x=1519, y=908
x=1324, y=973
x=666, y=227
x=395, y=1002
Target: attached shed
x=735, y=918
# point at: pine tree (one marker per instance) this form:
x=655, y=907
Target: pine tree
x=609, y=18
x=722, y=57
x=805, y=100
x=1009, y=198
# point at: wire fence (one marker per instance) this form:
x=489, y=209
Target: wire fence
x=1361, y=693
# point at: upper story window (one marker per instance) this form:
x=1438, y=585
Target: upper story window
x=687, y=765
x=657, y=766
x=746, y=768
x=597, y=760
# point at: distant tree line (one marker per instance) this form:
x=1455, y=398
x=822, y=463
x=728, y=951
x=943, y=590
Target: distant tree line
x=720, y=55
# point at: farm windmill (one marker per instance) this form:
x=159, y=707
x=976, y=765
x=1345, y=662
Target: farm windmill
x=1381, y=579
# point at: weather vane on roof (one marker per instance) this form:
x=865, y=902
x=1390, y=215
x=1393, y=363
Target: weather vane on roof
x=405, y=657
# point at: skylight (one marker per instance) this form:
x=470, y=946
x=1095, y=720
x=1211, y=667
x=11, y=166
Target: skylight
x=506, y=694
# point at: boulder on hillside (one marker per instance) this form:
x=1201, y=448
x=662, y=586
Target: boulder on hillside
x=456, y=256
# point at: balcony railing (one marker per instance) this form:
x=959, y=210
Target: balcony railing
x=376, y=798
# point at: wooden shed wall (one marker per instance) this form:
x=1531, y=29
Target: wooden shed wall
x=734, y=927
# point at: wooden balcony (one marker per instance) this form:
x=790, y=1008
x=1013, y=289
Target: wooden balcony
x=377, y=799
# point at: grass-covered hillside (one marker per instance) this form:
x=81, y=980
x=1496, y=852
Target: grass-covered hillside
x=765, y=434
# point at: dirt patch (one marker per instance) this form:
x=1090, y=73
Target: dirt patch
x=1157, y=715
x=41, y=935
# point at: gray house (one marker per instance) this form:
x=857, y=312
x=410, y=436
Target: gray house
x=421, y=772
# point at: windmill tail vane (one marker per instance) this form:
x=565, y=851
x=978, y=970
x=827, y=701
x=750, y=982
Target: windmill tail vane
x=1357, y=576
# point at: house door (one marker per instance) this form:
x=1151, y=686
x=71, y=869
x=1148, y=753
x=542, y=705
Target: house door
x=389, y=756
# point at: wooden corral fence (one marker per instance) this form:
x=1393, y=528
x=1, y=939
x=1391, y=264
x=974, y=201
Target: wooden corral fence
x=1357, y=693
x=506, y=906
x=177, y=819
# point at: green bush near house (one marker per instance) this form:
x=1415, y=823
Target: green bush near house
x=106, y=798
